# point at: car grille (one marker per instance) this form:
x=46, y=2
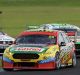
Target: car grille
x=25, y=64
x=77, y=46
x=25, y=56
x=6, y=42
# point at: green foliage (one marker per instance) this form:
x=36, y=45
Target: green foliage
x=40, y=2
x=17, y=14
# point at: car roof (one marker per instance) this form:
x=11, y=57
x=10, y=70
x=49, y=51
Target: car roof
x=60, y=25
x=51, y=32
x=66, y=29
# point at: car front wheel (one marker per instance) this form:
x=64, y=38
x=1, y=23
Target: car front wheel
x=7, y=69
x=73, y=60
x=58, y=62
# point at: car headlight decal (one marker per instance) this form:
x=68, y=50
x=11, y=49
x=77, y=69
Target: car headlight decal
x=7, y=60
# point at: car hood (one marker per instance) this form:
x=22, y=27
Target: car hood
x=6, y=38
x=28, y=48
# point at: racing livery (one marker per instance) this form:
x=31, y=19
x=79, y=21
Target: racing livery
x=40, y=50
x=57, y=25
x=5, y=41
x=77, y=44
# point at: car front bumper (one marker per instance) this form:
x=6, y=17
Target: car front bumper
x=27, y=65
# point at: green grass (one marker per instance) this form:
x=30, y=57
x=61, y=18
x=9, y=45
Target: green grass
x=40, y=2
x=17, y=14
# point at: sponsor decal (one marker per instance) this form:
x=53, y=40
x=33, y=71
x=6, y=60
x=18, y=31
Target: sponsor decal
x=51, y=37
x=47, y=60
x=28, y=49
x=7, y=60
x=2, y=39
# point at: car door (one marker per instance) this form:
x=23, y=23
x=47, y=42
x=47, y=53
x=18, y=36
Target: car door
x=68, y=46
x=64, y=47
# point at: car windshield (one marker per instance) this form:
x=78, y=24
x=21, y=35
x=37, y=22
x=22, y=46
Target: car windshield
x=36, y=39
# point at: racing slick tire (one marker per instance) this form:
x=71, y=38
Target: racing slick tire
x=58, y=61
x=73, y=60
x=7, y=69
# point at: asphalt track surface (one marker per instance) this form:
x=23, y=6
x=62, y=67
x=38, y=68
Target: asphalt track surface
x=62, y=71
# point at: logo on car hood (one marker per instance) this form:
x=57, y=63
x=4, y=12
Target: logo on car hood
x=28, y=48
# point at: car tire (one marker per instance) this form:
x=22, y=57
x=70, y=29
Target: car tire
x=73, y=60
x=57, y=60
x=7, y=69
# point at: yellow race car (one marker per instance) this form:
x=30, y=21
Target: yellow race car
x=40, y=50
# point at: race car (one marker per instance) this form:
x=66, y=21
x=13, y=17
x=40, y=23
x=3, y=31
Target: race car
x=77, y=43
x=72, y=31
x=57, y=25
x=5, y=41
x=40, y=50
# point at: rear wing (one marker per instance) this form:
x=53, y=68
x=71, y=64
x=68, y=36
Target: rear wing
x=37, y=29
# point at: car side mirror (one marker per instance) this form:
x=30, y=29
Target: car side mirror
x=62, y=44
